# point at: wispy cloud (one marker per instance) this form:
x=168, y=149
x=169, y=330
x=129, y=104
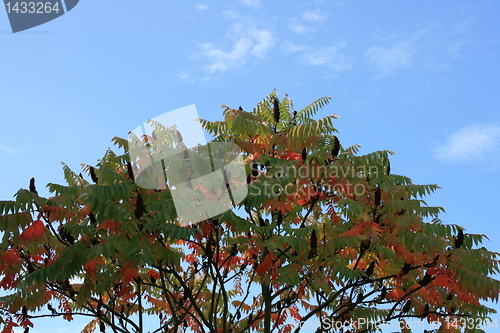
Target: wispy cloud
x=8, y=150
x=298, y=27
x=463, y=25
x=433, y=47
x=251, y=3
x=249, y=43
x=201, y=7
x=314, y=16
x=291, y=47
x=245, y=41
x=386, y=60
x=471, y=143
x=331, y=57
x=307, y=22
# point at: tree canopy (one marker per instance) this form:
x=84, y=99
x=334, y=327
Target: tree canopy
x=324, y=236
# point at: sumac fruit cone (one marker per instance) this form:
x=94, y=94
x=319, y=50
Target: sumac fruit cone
x=313, y=244
x=459, y=239
x=276, y=110
x=279, y=218
x=377, y=196
x=94, y=177
x=426, y=280
x=32, y=185
x=336, y=147
x=407, y=306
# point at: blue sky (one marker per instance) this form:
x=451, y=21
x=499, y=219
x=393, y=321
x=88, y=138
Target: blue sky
x=418, y=78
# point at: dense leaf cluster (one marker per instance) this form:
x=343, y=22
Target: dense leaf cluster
x=324, y=235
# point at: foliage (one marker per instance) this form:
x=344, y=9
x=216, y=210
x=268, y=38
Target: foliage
x=324, y=235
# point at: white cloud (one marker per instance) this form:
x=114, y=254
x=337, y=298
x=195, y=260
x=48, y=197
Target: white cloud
x=432, y=48
x=329, y=56
x=314, y=16
x=471, y=143
x=463, y=25
x=387, y=60
x=290, y=47
x=248, y=43
x=296, y=26
x=201, y=7
x=8, y=150
x=251, y=3
x=393, y=35
x=307, y=22
x=229, y=14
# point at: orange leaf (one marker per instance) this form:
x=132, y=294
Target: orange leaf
x=8, y=281
x=292, y=156
x=279, y=319
x=441, y=281
x=34, y=231
x=10, y=257
x=129, y=272
x=9, y=326
x=244, y=306
x=265, y=266
x=280, y=205
x=153, y=274
x=206, y=228
x=396, y=294
x=295, y=312
x=125, y=291
x=91, y=266
x=158, y=303
x=287, y=328
x=357, y=230
x=111, y=225
x=57, y=213
x=433, y=271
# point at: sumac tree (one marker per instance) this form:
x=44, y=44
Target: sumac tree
x=324, y=236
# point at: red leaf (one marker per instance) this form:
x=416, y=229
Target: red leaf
x=206, y=228
x=287, y=328
x=125, y=291
x=10, y=257
x=396, y=294
x=129, y=272
x=295, y=312
x=34, y=231
x=433, y=271
x=110, y=225
x=91, y=266
x=153, y=274
x=158, y=303
x=357, y=230
x=8, y=281
x=265, y=266
x=292, y=156
x=441, y=281
x=57, y=213
x=283, y=206
x=190, y=258
x=8, y=327
x=302, y=201
x=279, y=319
